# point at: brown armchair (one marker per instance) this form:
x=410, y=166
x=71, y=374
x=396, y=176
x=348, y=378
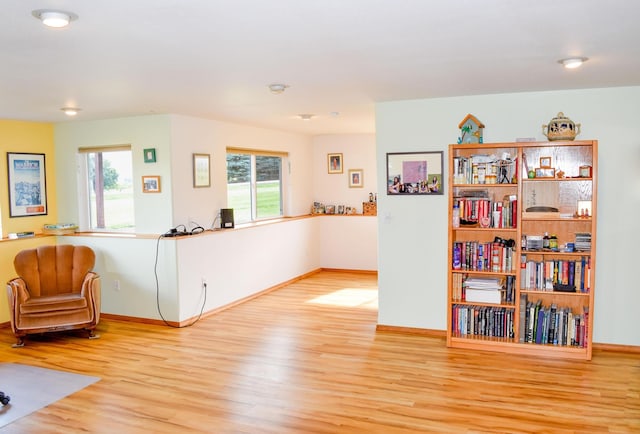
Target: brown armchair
x=56, y=290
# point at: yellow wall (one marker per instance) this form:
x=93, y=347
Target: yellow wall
x=29, y=137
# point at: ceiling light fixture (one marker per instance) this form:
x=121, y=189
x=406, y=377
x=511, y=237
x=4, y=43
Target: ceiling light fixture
x=70, y=111
x=277, y=88
x=573, y=62
x=53, y=18
x=306, y=117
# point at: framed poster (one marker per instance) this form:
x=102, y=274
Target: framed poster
x=201, y=174
x=413, y=173
x=27, y=184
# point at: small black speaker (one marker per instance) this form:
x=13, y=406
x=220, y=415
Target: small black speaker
x=226, y=218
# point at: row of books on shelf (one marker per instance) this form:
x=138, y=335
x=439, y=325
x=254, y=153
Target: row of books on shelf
x=483, y=169
x=489, y=321
x=493, y=256
x=488, y=213
x=556, y=274
x=474, y=289
x=538, y=324
x=552, y=324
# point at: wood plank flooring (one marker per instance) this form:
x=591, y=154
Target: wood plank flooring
x=307, y=359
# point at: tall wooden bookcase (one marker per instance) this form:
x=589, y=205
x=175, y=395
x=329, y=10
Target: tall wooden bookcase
x=508, y=195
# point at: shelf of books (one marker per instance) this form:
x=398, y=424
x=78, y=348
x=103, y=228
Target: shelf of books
x=522, y=247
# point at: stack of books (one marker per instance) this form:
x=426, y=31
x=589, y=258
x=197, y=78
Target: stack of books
x=583, y=241
x=483, y=290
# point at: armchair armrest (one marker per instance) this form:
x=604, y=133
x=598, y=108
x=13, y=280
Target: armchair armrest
x=91, y=291
x=18, y=294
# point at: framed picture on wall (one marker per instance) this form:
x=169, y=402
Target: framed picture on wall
x=201, y=172
x=334, y=163
x=415, y=173
x=151, y=184
x=356, y=178
x=150, y=155
x=27, y=184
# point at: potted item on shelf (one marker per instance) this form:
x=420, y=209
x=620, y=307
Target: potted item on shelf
x=561, y=128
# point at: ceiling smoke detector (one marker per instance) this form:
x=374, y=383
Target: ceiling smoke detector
x=278, y=88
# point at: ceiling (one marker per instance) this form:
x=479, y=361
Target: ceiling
x=215, y=58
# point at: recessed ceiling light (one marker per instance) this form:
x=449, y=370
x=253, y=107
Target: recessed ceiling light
x=278, y=88
x=573, y=62
x=306, y=117
x=53, y=18
x=70, y=111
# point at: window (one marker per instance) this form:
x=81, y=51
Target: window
x=109, y=189
x=254, y=184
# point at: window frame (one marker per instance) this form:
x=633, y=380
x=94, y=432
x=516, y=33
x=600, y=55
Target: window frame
x=253, y=153
x=84, y=190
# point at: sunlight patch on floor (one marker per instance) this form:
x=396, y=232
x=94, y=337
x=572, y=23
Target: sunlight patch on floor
x=349, y=297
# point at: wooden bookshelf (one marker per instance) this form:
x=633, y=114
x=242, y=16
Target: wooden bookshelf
x=504, y=216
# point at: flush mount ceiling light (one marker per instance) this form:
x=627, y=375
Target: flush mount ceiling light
x=277, y=88
x=573, y=62
x=306, y=117
x=70, y=111
x=53, y=18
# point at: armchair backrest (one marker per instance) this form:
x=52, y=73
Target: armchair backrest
x=51, y=270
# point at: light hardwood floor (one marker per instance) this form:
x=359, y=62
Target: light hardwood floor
x=307, y=359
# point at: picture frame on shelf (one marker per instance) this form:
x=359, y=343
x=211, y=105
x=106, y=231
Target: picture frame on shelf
x=415, y=173
x=329, y=209
x=545, y=172
x=151, y=184
x=356, y=178
x=26, y=174
x=334, y=163
x=545, y=162
x=201, y=170
x=149, y=155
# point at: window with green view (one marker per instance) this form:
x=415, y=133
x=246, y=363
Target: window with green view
x=254, y=185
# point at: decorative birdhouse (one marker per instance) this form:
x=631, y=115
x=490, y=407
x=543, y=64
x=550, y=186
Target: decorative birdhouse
x=470, y=130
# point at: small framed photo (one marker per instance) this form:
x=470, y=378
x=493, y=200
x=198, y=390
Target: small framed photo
x=545, y=172
x=585, y=171
x=356, y=178
x=150, y=155
x=545, y=162
x=151, y=184
x=330, y=209
x=201, y=172
x=340, y=209
x=334, y=163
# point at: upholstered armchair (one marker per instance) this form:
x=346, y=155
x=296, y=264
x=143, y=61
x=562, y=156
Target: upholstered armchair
x=56, y=290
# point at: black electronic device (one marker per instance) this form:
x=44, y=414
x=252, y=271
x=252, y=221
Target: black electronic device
x=226, y=218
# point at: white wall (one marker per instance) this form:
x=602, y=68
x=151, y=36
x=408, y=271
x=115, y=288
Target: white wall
x=413, y=230
x=358, y=152
x=348, y=242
